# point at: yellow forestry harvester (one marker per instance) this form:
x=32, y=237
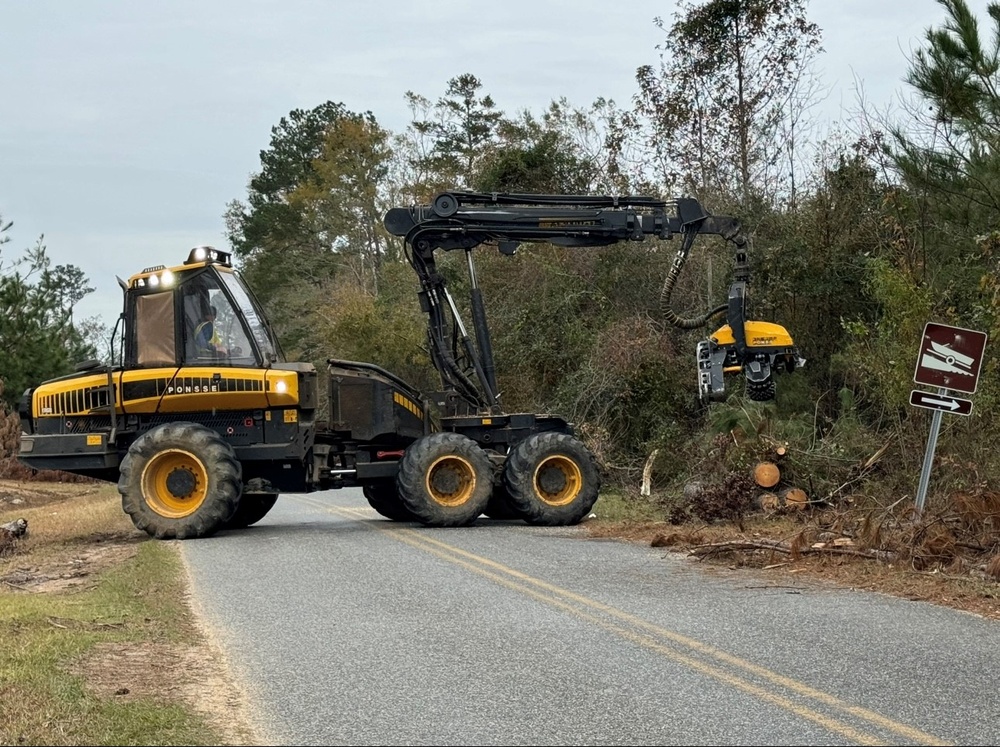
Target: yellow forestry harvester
x=202, y=423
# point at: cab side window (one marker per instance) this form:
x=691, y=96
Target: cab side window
x=154, y=330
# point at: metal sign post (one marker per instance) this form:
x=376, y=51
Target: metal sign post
x=925, y=472
x=949, y=358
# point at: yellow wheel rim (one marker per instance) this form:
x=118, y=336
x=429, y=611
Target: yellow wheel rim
x=175, y=483
x=557, y=480
x=451, y=480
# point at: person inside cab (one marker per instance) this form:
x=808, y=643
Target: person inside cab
x=206, y=336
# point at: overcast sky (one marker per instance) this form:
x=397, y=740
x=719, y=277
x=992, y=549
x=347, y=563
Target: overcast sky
x=126, y=127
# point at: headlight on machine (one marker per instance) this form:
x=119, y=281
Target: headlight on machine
x=282, y=388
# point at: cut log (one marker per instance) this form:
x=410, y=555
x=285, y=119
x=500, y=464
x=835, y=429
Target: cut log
x=766, y=474
x=794, y=498
x=768, y=502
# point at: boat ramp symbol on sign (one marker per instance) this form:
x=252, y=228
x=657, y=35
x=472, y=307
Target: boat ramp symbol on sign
x=950, y=357
x=942, y=358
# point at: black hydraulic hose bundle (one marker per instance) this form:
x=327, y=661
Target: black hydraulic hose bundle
x=443, y=357
x=668, y=288
x=735, y=309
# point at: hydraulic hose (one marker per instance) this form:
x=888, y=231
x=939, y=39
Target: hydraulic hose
x=668, y=288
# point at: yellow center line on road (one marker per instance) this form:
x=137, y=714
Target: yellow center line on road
x=651, y=636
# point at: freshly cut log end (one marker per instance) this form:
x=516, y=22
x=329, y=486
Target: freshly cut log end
x=794, y=498
x=766, y=474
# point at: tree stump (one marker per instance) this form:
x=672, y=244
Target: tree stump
x=10, y=533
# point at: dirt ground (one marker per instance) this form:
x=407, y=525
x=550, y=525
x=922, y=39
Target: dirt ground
x=768, y=548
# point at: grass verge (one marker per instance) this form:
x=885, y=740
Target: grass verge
x=97, y=642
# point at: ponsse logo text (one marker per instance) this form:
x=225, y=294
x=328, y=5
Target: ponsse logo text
x=192, y=389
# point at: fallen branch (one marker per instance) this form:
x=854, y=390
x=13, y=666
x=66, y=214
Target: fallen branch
x=647, y=473
x=716, y=548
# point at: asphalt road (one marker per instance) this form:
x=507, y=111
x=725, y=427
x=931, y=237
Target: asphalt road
x=346, y=628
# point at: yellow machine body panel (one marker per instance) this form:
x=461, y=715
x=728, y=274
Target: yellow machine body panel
x=169, y=390
x=759, y=335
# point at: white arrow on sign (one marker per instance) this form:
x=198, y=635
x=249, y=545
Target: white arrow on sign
x=940, y=402
x=949, y=403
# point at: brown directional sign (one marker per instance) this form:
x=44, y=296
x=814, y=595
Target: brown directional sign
x=950, y=358
x=942, y=402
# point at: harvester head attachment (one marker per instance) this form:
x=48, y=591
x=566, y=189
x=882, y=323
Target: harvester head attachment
x=769, y=350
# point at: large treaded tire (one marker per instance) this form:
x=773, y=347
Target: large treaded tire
x=386, y=501
x=253, y=507
x=445, y=480
x=552, y=479
x=180, y=481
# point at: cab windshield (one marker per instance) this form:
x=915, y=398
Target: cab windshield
x=254, y=319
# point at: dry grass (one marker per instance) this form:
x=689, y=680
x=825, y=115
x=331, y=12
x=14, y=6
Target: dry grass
x=949, y=556
x=62, y=516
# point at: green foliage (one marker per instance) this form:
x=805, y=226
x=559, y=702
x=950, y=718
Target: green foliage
x=724, y=89
x=314, y=210
x=948, y=157
x=878, y=359
x=541, y=322
x=951, y=149
x=852, y=253
x=37, y=333
x=813, y=266
x=387, y=329
x=455, y=132
x=267, y=219
x=534, y=156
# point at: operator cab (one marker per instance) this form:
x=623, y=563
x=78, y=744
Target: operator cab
x=196, y=314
